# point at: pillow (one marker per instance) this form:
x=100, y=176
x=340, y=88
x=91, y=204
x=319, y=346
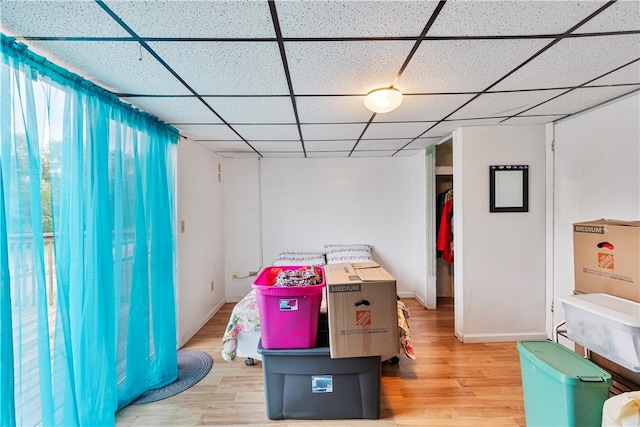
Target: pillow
x=300, y=258
x=348, y=253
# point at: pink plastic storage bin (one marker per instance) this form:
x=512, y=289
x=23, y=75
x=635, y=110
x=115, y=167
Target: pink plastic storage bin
x=288, y=314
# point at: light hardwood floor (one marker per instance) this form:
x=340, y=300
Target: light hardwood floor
x=449, y=384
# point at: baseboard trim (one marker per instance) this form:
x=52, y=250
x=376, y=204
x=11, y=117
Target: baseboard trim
x=186, y=337
x=417, y=298
x=523, y=336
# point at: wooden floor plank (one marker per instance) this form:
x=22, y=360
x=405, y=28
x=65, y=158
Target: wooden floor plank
x=449, y=384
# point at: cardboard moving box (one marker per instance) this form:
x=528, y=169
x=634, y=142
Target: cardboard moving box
x=362, y=310
x=607, y=258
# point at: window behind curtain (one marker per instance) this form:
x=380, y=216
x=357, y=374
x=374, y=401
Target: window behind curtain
x=87, y=244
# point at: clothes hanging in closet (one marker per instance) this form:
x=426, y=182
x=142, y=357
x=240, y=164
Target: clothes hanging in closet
x=444, y=224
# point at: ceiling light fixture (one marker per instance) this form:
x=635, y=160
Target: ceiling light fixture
x=383, y=100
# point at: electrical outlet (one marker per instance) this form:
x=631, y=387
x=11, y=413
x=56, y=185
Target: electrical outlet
x=235, y=275
x=212, y=286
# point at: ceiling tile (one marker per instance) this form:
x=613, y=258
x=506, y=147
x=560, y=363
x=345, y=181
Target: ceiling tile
x=238, y=155
x=326, y=68
x=332, y=131
x=332, y=109
x=195, y=18
x=446, y=128
x=175, y=110
x=238, y=110
x=380, y=144
x=353, y=18
x=502, y=104
x=628, y=74
x=427, y=141
x=421, y=143
x=282, y=154
x=409, y=153
x=274, y=132
x=574, y=61
x=277, y=146
x=399, y=130
x=477, y=18
x=208, y=132
x=245, y=82
x=229, y=68
x=532, y=120
x=581, y=99
x=127, y=74
x=424, y=108
x=345, y=145
x=373, y=153
x=58, y=19
x=229, y=146
x=621, y=16
x=464, y=65
x=327, y=154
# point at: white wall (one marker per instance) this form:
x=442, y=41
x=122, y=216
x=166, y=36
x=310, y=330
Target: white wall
x=201, y=245
x=242, y=235
x=597, y=175
x=499, y=257
x=500, y=286
x=307, y=203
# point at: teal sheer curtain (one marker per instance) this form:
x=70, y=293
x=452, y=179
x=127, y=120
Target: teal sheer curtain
x=85, y=336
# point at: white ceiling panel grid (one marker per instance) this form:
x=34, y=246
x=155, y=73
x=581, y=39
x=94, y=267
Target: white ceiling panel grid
x=288, y=78
x=574, y=60
x=341, y=67
x=239, y=68
x=134, y=71
x=328, y=146
x=621, y=16
x=273, y=132
x=445, y=128
x=580, y=99
x=200, y=132
x=276, y=146
x=465, y=65
x=397, y=130
x=625, y=75
x=318, y=19
x=424, y=108
x=373, y=153
x=184, y=19
x=248, y=110
x=332, y=131
x=500, y=18
x=332, y=109
x=503, y=104
x=229, y=146
x=532, y=120
x=382, y=144
x=176, y=110
x=58, y=19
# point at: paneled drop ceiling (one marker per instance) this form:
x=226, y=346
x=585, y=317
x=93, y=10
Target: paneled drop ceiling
x=288, y=78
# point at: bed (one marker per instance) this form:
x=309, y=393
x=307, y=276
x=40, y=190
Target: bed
x=243, y=329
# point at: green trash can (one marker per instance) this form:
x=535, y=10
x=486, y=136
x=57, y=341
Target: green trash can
x=561, y=388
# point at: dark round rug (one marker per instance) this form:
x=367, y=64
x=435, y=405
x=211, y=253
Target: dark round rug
x=193, y=365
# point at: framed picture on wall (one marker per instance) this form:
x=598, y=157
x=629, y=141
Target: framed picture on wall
x=509, y=188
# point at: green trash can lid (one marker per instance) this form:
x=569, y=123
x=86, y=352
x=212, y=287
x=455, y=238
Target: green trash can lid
x=563, y=364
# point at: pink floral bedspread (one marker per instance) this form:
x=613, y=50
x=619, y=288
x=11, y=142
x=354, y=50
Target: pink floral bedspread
x=244, y=317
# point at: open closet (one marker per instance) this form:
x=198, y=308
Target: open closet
x=444, y=223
